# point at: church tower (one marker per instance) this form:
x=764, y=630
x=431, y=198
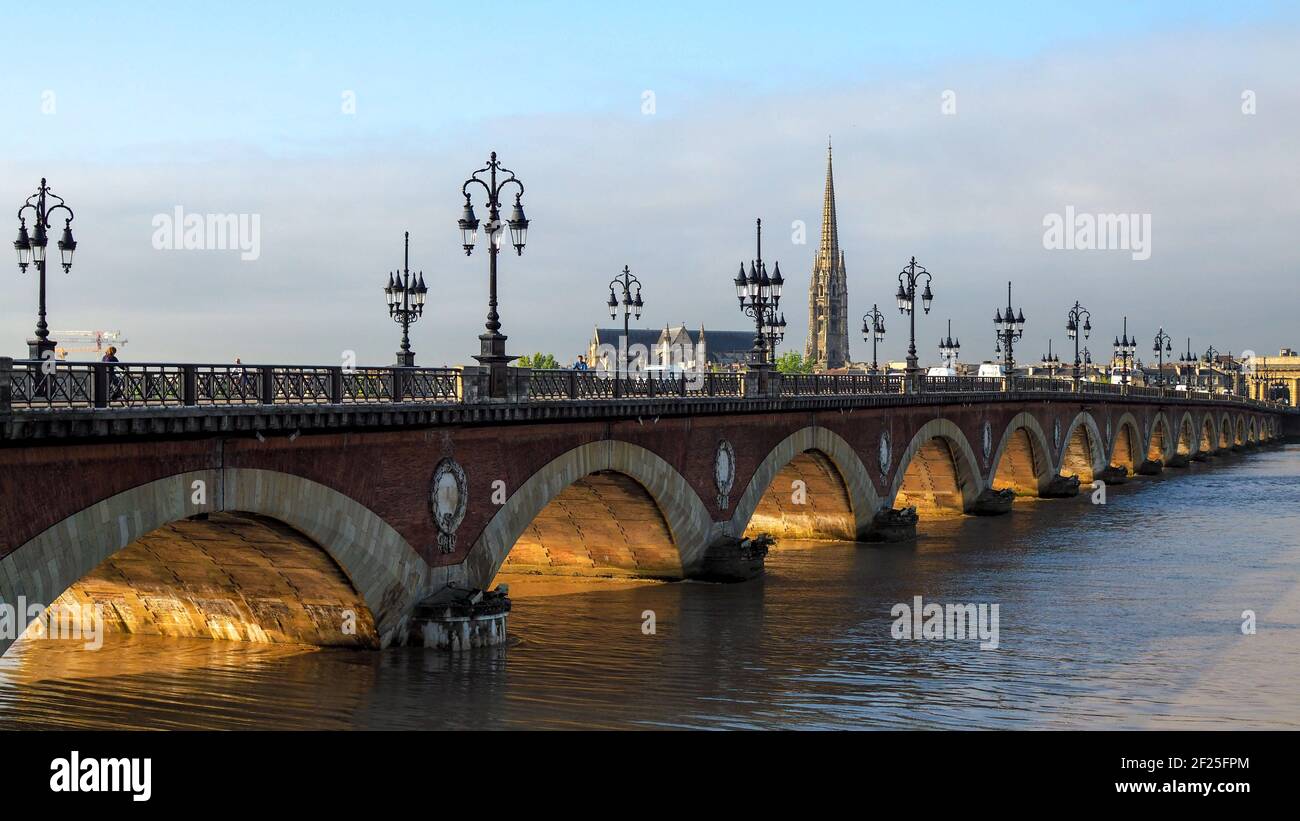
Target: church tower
x=828, y=292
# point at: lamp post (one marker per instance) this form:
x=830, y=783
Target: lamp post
x=775, y=333
x=1051, y=360
x=873, y=331
x=906, y=299
x=406, y=303
x=949, y=348
x=1209, y=359
x=1161, y=348
x=493, y=343
x=1189, y=362
x=1125, y=347
x=1078, y=319
x=759, y=296
x=1010, y=328
x=631, y=304
x=32, y=249
x=1087, y=359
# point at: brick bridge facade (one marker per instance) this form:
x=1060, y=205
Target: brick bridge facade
x=199, y=521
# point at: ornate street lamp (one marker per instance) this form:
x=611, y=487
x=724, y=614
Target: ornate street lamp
x=1078, y=319
x=949, y=348
x=775, y=333
x=1161, y=348
x=1125, y=347
x=493, y=343
x=759, y=296
x=406, y=303
x=1051, y=360
x=873, y=331
x=1189, y=361
x=31, y=249
x=1210, y=360
x=631, y=304
x=1009, y=328
x=906, y=299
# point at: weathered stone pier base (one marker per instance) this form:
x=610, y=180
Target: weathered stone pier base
x=893, y=525
x=457, y=618
x=1113, y=475
x=1178, y=460
x=1151, y=467
x=993, y=502
x=1060, y=487
x=734, y=560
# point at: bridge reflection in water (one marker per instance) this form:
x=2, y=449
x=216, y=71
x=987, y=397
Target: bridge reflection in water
x=1098, y=629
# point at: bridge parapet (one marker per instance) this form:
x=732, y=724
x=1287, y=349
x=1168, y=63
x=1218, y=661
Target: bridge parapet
x=68, y=397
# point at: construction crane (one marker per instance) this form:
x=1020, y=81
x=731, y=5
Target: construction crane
x=86, y=342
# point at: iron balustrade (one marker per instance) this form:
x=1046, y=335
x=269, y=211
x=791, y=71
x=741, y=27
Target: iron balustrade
x=28, y=385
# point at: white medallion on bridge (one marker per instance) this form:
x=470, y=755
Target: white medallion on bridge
x=885, y=456
x=448, y=498
x=988, y=442
x=724, y=472
x=1056, y=434
x=1108, y=433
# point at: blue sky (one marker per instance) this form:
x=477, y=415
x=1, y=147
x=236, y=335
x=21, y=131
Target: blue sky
x=235, y=107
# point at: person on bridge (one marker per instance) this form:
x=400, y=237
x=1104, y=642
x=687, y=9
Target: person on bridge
x=581, y=364
x=114, y=380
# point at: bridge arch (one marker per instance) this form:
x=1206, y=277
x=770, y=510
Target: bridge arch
x=946, y=479
x=1126, y=444
x=685, y=516
x=1161, y=444
x=1186, y=443
x=383, y=569
x=1226, y=431
x=1209, y=439
x=1023, y=459
x=1082, y=453
x=1239, y=437
x=1252, y=431
x=803, y=446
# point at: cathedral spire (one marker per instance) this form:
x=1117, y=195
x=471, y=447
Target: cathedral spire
x=830, y=245
x=828, y=336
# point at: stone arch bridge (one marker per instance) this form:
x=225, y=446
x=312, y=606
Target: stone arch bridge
x=294, y=504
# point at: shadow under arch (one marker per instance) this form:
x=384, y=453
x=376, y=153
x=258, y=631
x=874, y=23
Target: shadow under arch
x=1082, y=453
x=1226, y=431
x=1161, y=443
x=1126, y=448
x=687, y=519
x=863, y=501
x=948, y=480
x=381, y=566
x=1209, y=438
x=1186, y=444
x=1023, y=458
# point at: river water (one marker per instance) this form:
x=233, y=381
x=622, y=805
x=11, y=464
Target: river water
x=1127, y=615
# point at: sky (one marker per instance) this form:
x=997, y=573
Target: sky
x=653, y=137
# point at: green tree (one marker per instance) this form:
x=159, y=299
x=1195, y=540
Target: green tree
x=791, y=362
x=539, y=360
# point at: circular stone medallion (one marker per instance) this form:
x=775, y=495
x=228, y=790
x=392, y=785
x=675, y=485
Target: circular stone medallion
x=448, y=498
x=724, y=471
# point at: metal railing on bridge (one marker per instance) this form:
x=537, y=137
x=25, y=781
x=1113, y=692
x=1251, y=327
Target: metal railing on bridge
x=53, y=385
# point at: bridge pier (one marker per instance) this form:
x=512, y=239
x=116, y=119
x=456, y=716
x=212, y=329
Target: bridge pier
x=1178, y=460
x=1060, y=487
x=1112, y=475
x=892, y=525
x=734, y=560
x=1150, y=467
x=458, y=618
x=993, y=502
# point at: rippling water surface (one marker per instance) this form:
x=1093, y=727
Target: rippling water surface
x=1122, y=616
